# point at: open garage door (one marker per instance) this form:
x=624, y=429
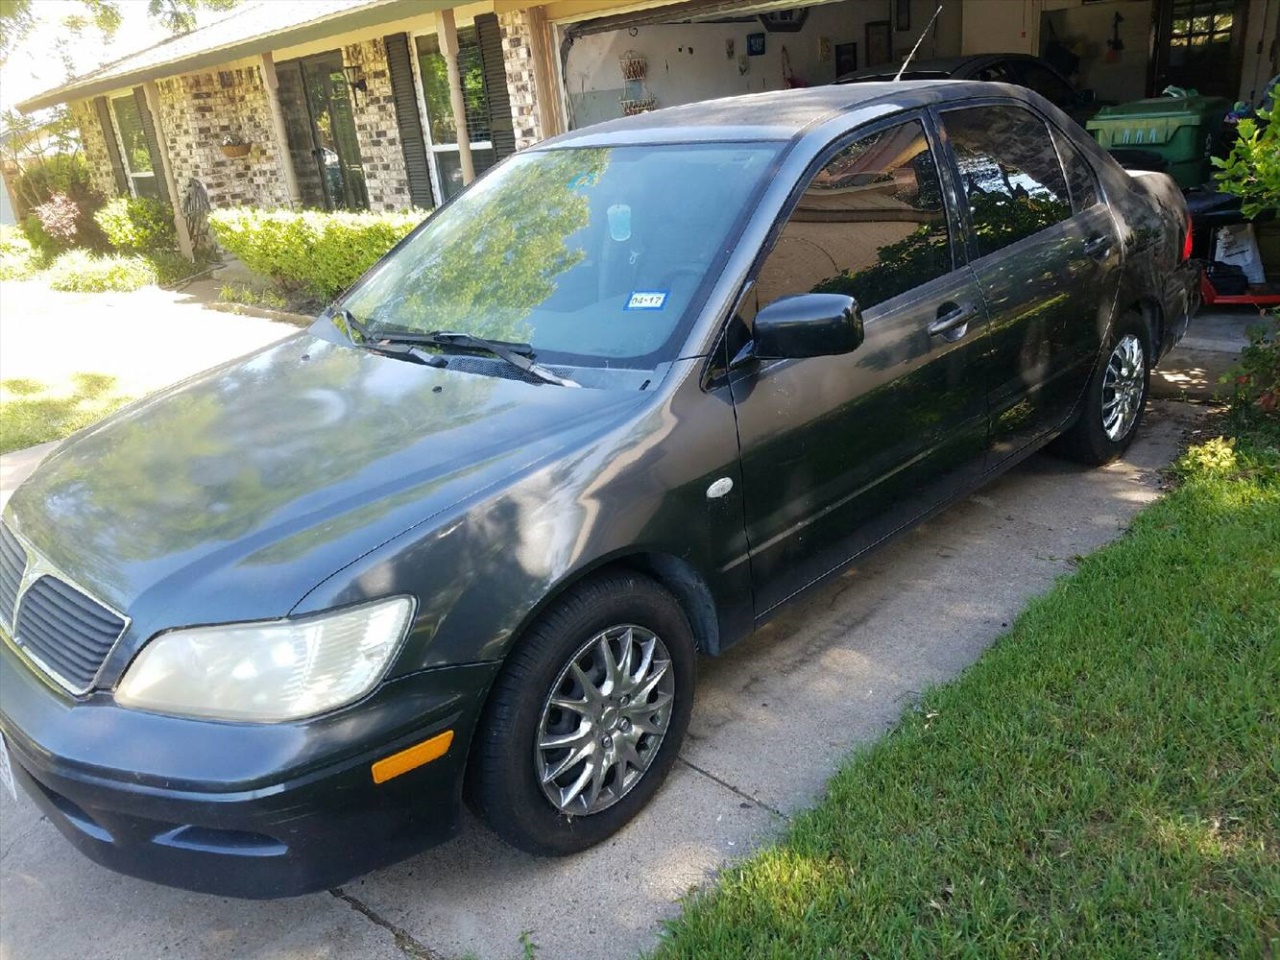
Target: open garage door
x=688, y=11
x=664, y=55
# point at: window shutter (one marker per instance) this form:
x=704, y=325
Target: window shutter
x=501, y=125
x=113, y=150
x=408, y=120
x=153, y=143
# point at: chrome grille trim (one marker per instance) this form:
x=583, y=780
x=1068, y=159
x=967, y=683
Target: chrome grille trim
x=57, y=626
x=13, y=563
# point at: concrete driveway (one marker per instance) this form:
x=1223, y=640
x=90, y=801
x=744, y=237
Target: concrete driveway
x=773, y=719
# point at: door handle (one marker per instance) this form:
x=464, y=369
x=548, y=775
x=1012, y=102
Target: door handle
x=950, y=316
x=1097, y=247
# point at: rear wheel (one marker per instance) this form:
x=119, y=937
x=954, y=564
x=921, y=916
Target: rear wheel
x=587, y=716
x=1116, y=397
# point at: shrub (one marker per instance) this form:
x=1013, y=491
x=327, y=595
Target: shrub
x=18, y=259
x=319, y=253
x=64, y=175
x=1252, y=170
x=79, y=271
x=247, y=296
x=59, y=217
x=138, y=225
x=172, y=267
x=1255, y=382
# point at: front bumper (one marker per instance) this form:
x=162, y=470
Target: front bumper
x=242, y=810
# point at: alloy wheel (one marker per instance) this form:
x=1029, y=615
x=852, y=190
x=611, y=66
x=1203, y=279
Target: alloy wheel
x=1123, y=387
x=604, y=719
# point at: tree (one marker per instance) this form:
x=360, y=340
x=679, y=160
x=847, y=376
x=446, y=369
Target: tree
x=18, y=17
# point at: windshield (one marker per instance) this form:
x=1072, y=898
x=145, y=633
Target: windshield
x=595, y=256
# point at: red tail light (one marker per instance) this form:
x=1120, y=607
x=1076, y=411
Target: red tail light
x=1186, y=244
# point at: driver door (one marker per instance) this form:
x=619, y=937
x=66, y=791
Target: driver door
x=838, y=452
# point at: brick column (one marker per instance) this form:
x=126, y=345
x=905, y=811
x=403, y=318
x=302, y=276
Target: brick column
x=522, y=85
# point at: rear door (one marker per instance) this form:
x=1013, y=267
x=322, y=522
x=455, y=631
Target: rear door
x=1048, y=270
x=838, y=452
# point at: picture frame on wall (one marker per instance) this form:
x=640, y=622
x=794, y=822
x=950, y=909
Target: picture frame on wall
x=879, y=42
x=846, y=58
x=902, y=15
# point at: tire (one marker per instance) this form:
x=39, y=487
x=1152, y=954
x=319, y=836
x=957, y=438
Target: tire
x=625, y=747
x=1115, y=399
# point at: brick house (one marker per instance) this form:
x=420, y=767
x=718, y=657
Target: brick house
x=386, y=104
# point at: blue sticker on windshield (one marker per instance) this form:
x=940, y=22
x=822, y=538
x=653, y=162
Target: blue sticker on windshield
x=646, y=300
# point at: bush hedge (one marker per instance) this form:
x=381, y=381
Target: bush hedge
x=66, y=176
x=138, y=225
x=79, y=271
x=309, y=251
x=18, y=259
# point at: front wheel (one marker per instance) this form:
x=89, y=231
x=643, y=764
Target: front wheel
x=1115, y=398
x=587, y=716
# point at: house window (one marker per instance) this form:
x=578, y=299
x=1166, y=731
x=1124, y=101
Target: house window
x=139, y=164
x=440, y=122
x=1201, y=23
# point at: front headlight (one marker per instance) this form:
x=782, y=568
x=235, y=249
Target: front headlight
x=268, y=672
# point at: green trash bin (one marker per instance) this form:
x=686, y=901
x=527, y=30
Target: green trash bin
x=1181, y=130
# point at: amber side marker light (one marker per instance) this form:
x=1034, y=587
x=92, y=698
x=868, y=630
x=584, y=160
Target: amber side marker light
x=412, y=757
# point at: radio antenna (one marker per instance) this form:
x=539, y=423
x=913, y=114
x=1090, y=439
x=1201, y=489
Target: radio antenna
x=903, y=68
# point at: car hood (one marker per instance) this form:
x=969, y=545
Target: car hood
x=231, y=495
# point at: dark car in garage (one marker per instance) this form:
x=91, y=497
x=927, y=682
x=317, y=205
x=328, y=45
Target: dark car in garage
x=1022, y=69
x=611, y=408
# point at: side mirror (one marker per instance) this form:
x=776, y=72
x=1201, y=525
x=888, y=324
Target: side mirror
x=806, y=325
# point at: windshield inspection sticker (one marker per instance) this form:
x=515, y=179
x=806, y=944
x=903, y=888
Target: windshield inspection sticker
x=647, y=300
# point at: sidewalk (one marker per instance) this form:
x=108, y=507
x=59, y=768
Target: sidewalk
x=1211, y=347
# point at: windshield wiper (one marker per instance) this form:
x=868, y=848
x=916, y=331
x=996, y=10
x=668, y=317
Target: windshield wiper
x=359, y=335
x=517, y=355
x=350, y=327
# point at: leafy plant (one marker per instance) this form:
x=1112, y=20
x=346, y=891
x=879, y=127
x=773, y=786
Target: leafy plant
x=79, y=271
x=60, y=202
x=59, y=217
x=18, y=259
x=235, y=293
x=1216, y=457
x=172, y=268
x=310, y=252
x=1255, y=382
x=138, y=225
x=1252, y=170
x=41, y=177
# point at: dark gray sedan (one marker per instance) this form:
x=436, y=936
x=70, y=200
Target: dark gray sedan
x=613, y=407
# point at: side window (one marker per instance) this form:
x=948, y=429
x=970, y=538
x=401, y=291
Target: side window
x=1048, y=84
x=997, y=72
x=1080, y=178
x=1010, y=174
x=871, y=224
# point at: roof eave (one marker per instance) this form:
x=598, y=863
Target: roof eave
x=378, y=11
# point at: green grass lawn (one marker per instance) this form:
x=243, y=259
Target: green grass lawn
x=1104, y=782
x=33, y=412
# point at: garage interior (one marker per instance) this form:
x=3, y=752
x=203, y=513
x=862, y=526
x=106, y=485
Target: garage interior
x=664, y=54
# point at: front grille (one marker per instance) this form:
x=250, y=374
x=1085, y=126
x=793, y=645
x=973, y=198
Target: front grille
x=66, y=632
x=13, y=560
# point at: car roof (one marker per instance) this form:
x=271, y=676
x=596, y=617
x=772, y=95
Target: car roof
x=775, y=115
